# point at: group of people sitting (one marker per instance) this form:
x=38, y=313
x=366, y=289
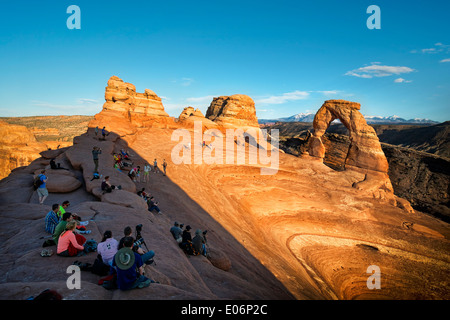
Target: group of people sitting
x=66, y=231
x=122, y=260
x=190, y=246
x=121, y=160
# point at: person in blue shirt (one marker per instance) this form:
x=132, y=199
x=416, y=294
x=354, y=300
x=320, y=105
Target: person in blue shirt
x=52, y=219
x=42, y=189
x=130, y=268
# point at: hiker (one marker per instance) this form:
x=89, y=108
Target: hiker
x=52, y=219
x=104, y=133
x=96, y=130
x=164, y=166
x=54, y=166
x=95, y=152
x=107, y=248
x=199, y=242
x=176, y=232
x=66, y=217
x=153, y=205
x=129, y=267
x=146, y=256
x=107, y=187
x=41, y=189
x=147, y=170
x=70, y=244
x=155, y=166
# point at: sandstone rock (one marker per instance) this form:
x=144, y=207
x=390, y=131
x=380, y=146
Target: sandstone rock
x=189, y=116
x=125, y=110
x=365, y=149
x=236, y=111
x=219, y=259
x=61, y=183
x=18, y=147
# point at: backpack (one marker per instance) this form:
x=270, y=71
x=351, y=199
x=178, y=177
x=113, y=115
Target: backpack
x=90, y=246
x=37, y=182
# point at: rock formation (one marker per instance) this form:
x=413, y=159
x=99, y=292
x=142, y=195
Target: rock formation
x=126, y=110
x=233, y=111
x=364, y=154
x=18, y=147
x=304, y=233
x=189, y=115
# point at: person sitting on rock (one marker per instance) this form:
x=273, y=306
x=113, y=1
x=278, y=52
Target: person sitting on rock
x=81, y=225
x=153, y=205
x=199, y=243
x=70, y=244
x=55, y=166
x=186, y=241
x=66, y=217
x=107, y=248
x=147, y=257
x=143, y=194
x=52, y=219
x=129, y=267
x=176, y=232
x=107, y=187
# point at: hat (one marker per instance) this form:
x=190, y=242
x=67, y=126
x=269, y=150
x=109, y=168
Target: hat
x=188, y=227
x=198, y=231
x=124, y=258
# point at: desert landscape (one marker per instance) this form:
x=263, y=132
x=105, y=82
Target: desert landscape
x=339, y=202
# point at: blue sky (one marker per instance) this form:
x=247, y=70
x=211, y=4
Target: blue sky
x=289, y=56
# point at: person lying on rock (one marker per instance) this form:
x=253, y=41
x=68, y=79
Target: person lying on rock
x=70, y=244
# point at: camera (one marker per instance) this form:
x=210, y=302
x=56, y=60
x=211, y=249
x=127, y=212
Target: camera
x=204, y=232
x=138, y=242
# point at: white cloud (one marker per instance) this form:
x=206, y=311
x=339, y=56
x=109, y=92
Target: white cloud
x=439, y=47
x=88, y=101
x=204, y=99
x=401, y=80
x=445, y=60
x=376, y=70
x=187, y=81
x=283, y=98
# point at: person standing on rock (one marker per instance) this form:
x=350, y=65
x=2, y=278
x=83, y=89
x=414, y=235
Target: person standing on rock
x=164, y=166
x=155, y=166
x=146, y=173
x=96, y=130
x=95, y=152
x=42, y=188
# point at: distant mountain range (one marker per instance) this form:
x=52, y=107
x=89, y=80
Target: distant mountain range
x=309, y=117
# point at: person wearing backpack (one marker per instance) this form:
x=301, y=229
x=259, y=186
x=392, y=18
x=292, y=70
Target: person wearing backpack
x=41, y=188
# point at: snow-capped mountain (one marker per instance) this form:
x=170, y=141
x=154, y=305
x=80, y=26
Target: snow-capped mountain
x=309, y=117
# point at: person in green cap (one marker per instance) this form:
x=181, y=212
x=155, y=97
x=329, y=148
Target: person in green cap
x=130, y=267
